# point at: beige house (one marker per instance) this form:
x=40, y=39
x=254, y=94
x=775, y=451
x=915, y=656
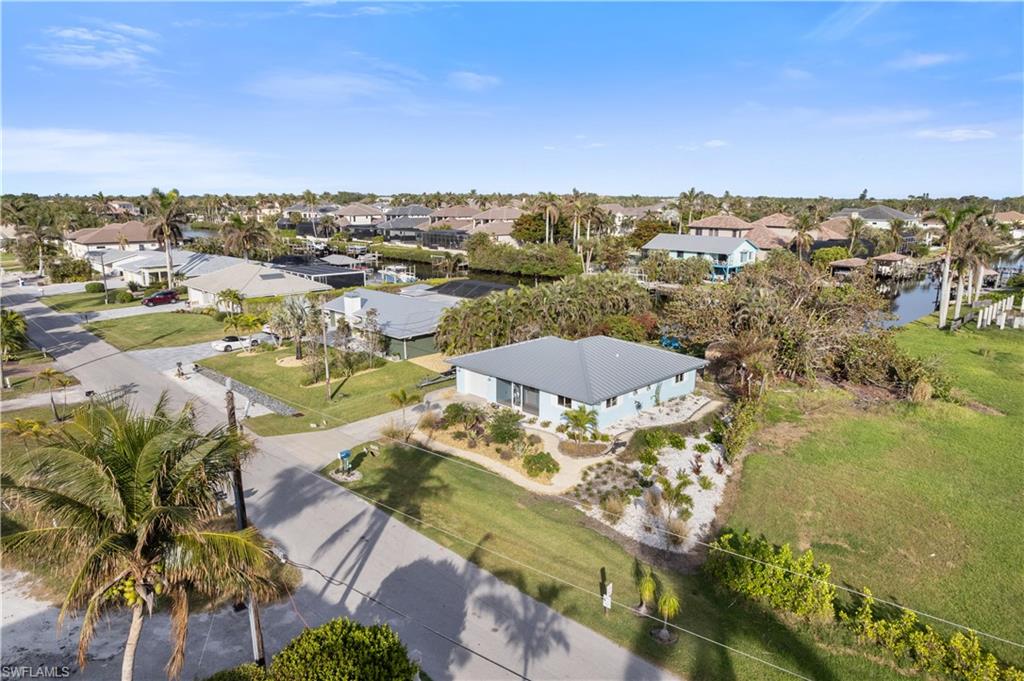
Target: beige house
x=252, y=281
x=123, y=236
x=721, y=225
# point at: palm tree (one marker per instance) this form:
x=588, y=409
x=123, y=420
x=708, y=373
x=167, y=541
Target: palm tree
x=25, y=429
x=98, y=204
x=13, y=336
x=550, y=204
x=50, y=377
x=130, y=505
x=952, y=223
x=38, y=233
x=668, y=607
x=581, y=420
x=802, y=239
x=748, y=356
x=855, y=225
x=233, y=298
x=168, y=219
x=295, y=318
x=646, y=586
x=244, y=236
x=450, y=263
x=689, y=199
x=402, y=399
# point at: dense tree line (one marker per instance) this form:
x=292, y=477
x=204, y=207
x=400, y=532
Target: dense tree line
x=571, y=308
x=541, y=260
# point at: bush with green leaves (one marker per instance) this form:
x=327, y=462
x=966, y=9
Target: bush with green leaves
x=876, y=359
x=540, y=463
x=67, y=270
x=94, y=287
x=504, y=427
x=741, y=426
x=343, y=649
x=775, y=576
x=702, y=448
x=245, y=672
x=123, y=297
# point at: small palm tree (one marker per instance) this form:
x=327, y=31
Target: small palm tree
x=668, y=607
x=402, y=399
x=129, y=501
x=13, y=336
x=581, y=420
x=232, y=298
x=854, y=226
x=646, y=586
x=25, y=429
x=51, y=378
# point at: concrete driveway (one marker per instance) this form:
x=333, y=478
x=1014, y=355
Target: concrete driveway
x=338, y=536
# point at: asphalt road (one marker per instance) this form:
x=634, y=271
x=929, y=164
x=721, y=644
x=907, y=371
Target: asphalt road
x=459, y=620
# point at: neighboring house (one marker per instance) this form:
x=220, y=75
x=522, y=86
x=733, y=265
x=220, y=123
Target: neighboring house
x=343, y=261
x=499, y=230
x=765, y=239
x=727, y=254
x=497, y=214
x=415, y=210
x=892, y=264
x=252, y=281
x=847, y=266
x=324, y=273
x=402, y=228
x=774, y=222
x=360, y=214
x=720, y=225
x=832, y=232
x=547, y=376
x=123, y=208
x=454, y=215
x=622, y=216
x=444, y=235
x=148, y=268
x=878, y=216
x=1014, y=220
x=125, y=236
x=407, y=319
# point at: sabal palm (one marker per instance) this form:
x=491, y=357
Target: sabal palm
x=952, y=223
x=167, y=218
x=13, y=336
x=855, y=226
x=131, y=496
x=802, y=239
x=245, y=236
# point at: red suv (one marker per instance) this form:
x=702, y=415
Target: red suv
x=160, y=298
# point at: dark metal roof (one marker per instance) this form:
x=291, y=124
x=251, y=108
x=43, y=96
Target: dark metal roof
x=469, y=288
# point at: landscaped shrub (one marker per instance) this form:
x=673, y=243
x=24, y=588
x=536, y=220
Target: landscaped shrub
x=540, y=463
x=504, y=426
x=343, y=649
x=123, y=297
x=741, y=426
x=676, y=530
x=94, y=287
x=705, y=482
x=875, y=359
x=612, y=508
x=75, y=269
x=245, y=672
x=702, y=448
x=775, y=576
x=133, y=286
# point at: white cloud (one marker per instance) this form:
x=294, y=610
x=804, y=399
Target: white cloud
x=956, y=134
x=791, y=73
x=715, y=144
x=881, y=116
x=842, y=22
x=113, y=46
x=1016, y=77
x=84, y=161
x=471, y=81
x=913, y=61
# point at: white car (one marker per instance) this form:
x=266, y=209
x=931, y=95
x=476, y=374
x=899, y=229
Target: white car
x=229, y=343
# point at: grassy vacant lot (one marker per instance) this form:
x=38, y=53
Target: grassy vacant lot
x=82, y=302
x=157, y=330
x=22, y=375
x=552, y=536
x=922, y=503
x=361, y=396
x=10, y=262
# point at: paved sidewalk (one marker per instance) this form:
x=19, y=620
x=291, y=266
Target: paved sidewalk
x=74, y=394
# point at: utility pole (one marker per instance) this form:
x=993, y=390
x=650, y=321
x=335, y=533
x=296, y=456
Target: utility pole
x=241, y=522
x=103, y=273
x=327, y=361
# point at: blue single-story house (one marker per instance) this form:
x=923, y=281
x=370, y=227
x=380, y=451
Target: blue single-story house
x=547, y=376
x=728, y=255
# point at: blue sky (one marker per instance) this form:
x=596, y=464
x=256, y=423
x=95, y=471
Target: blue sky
x=784, y=99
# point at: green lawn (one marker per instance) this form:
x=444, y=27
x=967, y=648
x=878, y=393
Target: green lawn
x=922, y=503
x=82, y=302
x=24, y=383
x=362, y=396
x=10, y=262
x=157, y=330
x=552, y=536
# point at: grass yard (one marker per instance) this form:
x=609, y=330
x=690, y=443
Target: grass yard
x=82, y=302
x=10, y=262
x=921, y=503
x=361, y=396
x=157, y=330
x=553, y=537
x=22, y=375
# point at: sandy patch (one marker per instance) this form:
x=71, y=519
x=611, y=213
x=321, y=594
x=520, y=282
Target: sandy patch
x=289, y=362
x=434, y=362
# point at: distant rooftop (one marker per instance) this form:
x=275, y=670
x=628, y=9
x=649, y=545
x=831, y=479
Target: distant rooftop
x=690, y=243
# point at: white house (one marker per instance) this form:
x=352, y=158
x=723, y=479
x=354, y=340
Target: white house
x=727, y=255
x=252, y=281
x=547, y=376
x=879, y=216
x=124, y=236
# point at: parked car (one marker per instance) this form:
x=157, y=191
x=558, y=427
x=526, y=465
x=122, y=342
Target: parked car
x=229, y=343
x=160, y=298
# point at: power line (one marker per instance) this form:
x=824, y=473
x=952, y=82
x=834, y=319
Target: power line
x=548, y=575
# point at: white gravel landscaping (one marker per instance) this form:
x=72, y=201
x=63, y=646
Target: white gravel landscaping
x=637, y=523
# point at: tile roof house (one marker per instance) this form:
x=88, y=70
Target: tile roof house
x=360, y=213
x=1009, y=217
x=414, y=210
x=774, y=221
x=130, y=236
x=454, y=214
x=720, y=225
x=833, y=229
x=727, y=254
x=498, y=213
x=407, y=319
x=252, y=281
x=547, y=376
x=765, y=238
